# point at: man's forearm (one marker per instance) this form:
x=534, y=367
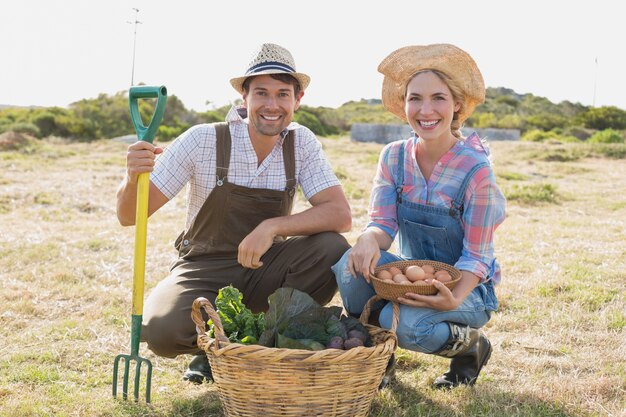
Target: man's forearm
x=325, y=217
x=126, y=203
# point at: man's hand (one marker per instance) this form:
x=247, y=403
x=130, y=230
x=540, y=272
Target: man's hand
x=253, y=246
x=140, y=158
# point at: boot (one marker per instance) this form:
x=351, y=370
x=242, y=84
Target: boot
x=390, y=372
x=470, y=350
x=198, y=370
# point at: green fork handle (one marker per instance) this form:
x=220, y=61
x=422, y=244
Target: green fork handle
x=146, y=133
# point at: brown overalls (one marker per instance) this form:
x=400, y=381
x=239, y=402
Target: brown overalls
x=208, y=256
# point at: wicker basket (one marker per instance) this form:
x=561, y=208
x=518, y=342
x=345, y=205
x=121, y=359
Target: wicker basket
x=390, y=290
x=254, y=380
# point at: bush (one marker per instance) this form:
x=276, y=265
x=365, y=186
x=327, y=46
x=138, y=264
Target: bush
x=578, y=131
x=167, y=133
x=568, y=139
x=309, y=120
x=537, y=136
x=533, y=193
x=25, y=127
x=607, y=136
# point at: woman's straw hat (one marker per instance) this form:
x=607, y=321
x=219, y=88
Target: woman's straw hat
x=400, y=66
x=271, y=59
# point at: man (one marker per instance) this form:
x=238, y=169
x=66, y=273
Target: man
x=241, y=178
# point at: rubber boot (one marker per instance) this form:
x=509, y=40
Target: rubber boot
x=469, y=350
x=390, y=372
x=198, y=370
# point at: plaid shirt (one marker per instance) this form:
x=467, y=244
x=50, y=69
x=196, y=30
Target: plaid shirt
x=190, y=160
x=484, y=203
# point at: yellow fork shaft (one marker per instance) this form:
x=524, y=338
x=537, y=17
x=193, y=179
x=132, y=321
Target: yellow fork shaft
x=141, y=231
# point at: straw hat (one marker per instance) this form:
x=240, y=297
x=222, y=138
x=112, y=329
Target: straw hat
x=271, y=59
x=400, y=66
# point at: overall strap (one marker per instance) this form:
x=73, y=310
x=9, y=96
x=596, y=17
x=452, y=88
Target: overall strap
x=400, y=174
x=456, y=209
x=222, y=150
x=289, y=157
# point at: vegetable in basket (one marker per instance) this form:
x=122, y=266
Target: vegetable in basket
x=295, y=320
x=240, y=324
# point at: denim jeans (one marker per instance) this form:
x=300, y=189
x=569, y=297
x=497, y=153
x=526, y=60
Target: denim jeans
x=420, y=329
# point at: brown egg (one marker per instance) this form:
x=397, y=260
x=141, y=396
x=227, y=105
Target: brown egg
x=414, y=273
x=421, y=283
x=443, y=276
x=384, y=275
x=395, y=271
x=428, y=269
x=429, y=276
x=400, y=279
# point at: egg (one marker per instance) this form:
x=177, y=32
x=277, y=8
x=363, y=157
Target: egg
x=429, y=276
x=429, y=269
x=414, y=273
x=384, y=275
x=400, y=279
x=443, y=276
x=395, y=271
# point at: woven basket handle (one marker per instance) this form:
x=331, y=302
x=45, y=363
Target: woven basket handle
x=365, y=315
x=196, y=316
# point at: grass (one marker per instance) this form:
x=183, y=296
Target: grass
x=66, y=273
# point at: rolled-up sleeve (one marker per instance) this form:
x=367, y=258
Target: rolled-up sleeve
x=485, y=210
x=383, y=211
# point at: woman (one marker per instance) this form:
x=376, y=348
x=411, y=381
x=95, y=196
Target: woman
x=436, y=191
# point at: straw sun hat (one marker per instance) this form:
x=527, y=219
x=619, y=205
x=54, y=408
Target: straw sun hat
x=400, y=66
x=271, y=59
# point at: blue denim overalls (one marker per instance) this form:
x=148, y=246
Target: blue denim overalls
x=425, y=232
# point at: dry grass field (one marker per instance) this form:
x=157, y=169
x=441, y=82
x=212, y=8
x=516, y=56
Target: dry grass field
x=66, y=275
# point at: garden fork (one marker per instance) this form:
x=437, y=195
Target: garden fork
x=143, y=185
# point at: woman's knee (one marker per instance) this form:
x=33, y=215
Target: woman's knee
x=411, y=335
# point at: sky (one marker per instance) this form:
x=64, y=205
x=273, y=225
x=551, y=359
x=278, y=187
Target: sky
x=53, y=52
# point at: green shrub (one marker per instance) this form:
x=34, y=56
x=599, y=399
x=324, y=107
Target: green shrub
x=27, y=128
x=537, y=136
x=533, y=193
x=167, y=133
x=311, y=121
x=568, y=139
x=578, y=131
x=611, y=150
x=607, y=136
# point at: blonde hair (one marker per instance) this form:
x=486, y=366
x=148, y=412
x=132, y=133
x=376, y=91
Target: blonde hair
x=457, y=95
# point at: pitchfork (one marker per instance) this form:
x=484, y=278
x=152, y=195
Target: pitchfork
x=143, y=186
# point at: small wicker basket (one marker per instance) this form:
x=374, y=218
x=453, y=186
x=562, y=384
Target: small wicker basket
x=390, y=290
x=254, y=380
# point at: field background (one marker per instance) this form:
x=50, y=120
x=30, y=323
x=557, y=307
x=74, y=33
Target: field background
x=66, y=273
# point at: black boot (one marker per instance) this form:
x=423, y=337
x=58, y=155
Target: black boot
x=390, y=372
x=470, y=350
x=198, y=370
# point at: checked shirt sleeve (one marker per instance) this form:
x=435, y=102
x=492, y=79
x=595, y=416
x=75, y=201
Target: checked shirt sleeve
x=484, y=211
x=382, y=212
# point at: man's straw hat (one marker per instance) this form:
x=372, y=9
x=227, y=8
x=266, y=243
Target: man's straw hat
x=400, y=66
x=271, y=59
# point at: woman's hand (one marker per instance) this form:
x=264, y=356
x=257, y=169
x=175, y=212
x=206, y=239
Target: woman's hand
x=364, y=255
x=444, y=300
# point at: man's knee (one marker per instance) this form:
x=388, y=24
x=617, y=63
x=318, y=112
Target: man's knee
x=330, y=245
x=167, y=339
